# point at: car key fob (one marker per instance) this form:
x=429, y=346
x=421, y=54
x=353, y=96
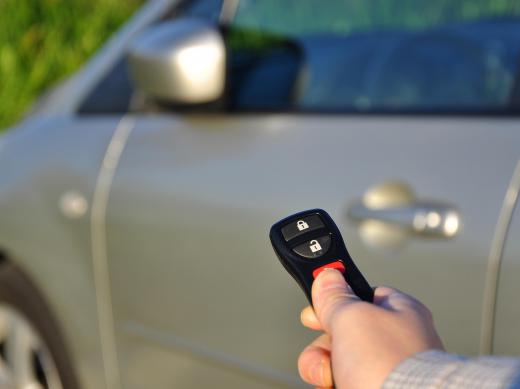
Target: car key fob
x=308, y=242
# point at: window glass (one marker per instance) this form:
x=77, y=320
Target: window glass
x=207, y=9
x=112, y=94
x=375, y=55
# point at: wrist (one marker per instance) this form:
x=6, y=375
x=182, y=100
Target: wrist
x=423, y=369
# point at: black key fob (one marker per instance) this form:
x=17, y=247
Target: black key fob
x=308, y=242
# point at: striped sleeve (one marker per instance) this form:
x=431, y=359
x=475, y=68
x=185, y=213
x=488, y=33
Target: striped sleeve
x=437, y=369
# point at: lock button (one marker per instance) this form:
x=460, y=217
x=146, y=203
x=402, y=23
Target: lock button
x=301, y=226
x=314, y=248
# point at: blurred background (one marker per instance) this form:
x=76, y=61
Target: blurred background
x=43, y=41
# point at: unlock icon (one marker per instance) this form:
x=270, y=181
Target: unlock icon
x=315, y=246
x=301, y=225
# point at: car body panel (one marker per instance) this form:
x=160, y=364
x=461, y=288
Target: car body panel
x=193, y=198
x=40, y=163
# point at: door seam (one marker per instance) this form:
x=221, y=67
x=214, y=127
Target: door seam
x=494, y=262
x=100, y=267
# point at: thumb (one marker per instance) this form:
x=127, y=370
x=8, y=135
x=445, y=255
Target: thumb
x=330, y=295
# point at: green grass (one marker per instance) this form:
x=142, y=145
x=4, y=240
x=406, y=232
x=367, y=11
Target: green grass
x=43, y=41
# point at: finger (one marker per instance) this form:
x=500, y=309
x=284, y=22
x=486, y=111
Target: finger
x=314, y=362
x=309, y=319
x=330, y=293
x=382, y=295
x=395, y=300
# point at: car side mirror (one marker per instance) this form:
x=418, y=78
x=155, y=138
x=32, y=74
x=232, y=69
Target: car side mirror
x=182, y=62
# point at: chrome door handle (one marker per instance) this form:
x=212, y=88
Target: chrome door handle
x=422, y=218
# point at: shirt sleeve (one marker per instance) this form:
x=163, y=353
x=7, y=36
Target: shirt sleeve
x=437, y=369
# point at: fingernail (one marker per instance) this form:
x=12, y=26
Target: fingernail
x=331, y=278
x=329, y=270
x=332, y=275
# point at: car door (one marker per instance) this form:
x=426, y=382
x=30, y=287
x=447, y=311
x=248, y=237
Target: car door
x=199, y=298
x=191, y=204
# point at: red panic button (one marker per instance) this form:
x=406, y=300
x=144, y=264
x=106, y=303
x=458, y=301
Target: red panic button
x=333, y=265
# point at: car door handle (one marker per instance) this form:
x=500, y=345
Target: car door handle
x=421, y=218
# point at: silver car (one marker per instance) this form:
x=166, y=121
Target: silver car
x=136, y=197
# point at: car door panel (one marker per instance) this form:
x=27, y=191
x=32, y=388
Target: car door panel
x=193, y=198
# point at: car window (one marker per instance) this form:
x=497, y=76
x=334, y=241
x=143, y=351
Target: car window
x=111, y=95
x=375, y=55
x=114, y=94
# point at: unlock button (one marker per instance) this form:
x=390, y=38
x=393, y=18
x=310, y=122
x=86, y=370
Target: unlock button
x=314, y=248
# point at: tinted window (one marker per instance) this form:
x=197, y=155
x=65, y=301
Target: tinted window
x=375, y=55
x=207, y=9
x=111, y=95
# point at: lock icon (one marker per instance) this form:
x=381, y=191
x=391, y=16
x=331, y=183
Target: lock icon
x=301, y=225
x=315, y=246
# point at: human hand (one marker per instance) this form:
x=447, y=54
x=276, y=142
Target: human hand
x=362, y=342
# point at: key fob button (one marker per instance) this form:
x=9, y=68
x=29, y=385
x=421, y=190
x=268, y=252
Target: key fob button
x=338, y=265
x=301, y=226
x=314, y=248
